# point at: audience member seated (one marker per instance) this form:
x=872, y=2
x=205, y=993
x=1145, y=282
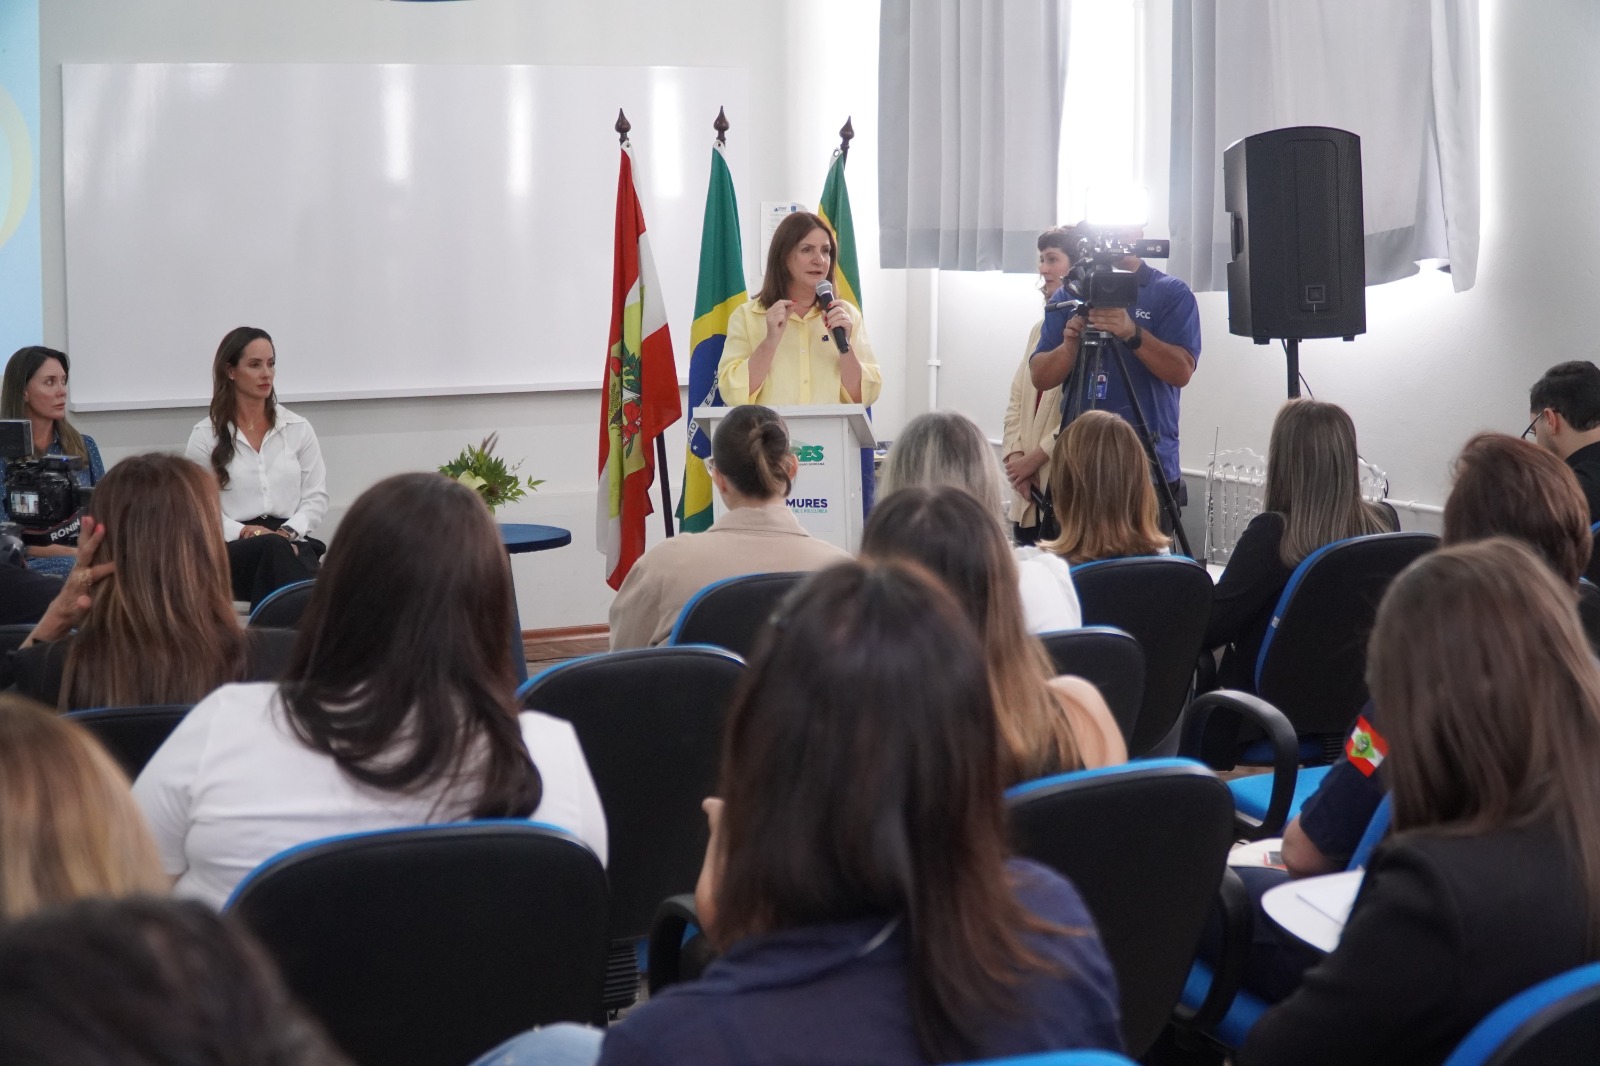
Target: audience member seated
x=148, y=600
x=1312, y=498
x=1492, y=880
x=946, y=448
x=1100, y=488
x=1564, y=407
x=857, y=878
x=68, y=825
x=35, y=389
x=397, y=707
x=141, y=982
x=268, y=464
x=1046, y=726
x=752, y=468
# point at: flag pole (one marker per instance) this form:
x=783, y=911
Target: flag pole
x=847, y=133
x=622, y=127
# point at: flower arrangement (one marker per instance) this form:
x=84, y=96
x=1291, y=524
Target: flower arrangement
x=487, y=474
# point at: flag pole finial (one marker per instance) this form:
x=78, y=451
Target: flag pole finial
x=847, y=133
x=721, y=126
x=622, y=127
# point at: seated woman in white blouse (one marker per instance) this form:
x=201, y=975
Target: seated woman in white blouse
x=397, y=708
x=268, y=465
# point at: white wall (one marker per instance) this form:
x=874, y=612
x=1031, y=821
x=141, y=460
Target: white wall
x=811, y=65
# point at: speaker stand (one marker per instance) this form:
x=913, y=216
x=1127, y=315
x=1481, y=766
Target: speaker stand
x=1291, y=350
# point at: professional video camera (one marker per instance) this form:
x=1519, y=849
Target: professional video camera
x=1094, y=280
x=42, y=493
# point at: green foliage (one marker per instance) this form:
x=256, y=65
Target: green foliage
x=487, y=474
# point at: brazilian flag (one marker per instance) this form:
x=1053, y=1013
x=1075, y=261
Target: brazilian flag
x=720, y=290
x=835, y=211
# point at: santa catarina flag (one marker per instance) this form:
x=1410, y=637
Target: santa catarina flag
x=835, y=211
x=639, y=398
x=719, y=291
x=1366, y=749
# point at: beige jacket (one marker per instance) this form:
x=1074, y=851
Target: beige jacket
x=1030, y=425
x=746, y=540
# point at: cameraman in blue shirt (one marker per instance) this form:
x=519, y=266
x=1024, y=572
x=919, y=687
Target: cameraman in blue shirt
x=1158, y=339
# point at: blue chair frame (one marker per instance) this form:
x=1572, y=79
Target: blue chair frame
x=1501, y=1039
x=132, y=735
x=275, y=602
x=690, y=616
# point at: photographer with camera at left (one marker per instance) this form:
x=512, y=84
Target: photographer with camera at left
x=63, y=462
x=1157, y=338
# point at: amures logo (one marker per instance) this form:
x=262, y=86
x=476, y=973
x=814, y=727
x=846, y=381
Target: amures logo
x=808, y=454
x=808, y=505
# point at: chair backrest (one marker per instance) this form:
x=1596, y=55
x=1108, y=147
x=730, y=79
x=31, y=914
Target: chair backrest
x=12, y=636
x=1079, y=1057
x=1555, y=1021
x=1110, y=659
x=1377, y=828
x=132, y=734
x=650, y=722
x=732, y=613
x=1164, y=602
x=1145, y=843
x=282, y=608
x=431, y=945
x=1313, y=660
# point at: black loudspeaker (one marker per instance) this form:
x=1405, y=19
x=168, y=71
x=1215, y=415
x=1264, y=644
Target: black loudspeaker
x=1299, y=266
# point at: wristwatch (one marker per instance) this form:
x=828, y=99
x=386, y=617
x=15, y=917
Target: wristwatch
x=1137, y=339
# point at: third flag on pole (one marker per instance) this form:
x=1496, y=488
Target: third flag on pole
x=720, y=289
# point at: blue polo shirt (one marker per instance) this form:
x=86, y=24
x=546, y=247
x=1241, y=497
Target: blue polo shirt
x=1166, y=309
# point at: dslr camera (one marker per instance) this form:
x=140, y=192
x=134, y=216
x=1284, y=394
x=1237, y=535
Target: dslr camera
x=42, y=492
x=1094, y=281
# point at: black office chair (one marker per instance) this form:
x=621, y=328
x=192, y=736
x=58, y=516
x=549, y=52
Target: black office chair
x=1110, y=659
x=1555, y=1021
x=650, y=722
x=1146, y=844
x=132, y=734
x=282, y=608
x=1163, y=602
x=1313, y=661
x=12, y=636
x=732, y=613
x=428, y=946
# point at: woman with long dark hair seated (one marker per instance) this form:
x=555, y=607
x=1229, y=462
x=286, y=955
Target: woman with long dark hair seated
x=1312, y=498
x=1047, y=724
x=146, y=616
x=35, y=390
x=397, y=707
x=1491, y=881
x=268, y=464
x=857, y=879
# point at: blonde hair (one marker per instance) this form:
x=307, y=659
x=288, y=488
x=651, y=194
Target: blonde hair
x=944, y=448
x=69, y=827
x=162, y=630
x=946, y=531
x=1101, y=490
x=1314, y=480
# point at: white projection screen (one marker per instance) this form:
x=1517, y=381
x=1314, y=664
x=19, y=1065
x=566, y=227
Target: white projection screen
x=400, y=230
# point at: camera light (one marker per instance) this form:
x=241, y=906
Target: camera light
x=1117, y=207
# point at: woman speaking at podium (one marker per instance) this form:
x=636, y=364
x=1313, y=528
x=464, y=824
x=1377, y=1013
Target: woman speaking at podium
x=784, y=347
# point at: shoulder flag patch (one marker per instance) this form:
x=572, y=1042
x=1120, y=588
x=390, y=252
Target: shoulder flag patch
x=1366, y=748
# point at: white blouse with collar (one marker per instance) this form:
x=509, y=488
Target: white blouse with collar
x=285, y=478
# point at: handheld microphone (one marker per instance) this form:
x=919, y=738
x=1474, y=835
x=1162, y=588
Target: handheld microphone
x=825, y=298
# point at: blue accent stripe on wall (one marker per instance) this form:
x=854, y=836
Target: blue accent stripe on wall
x=21, y=267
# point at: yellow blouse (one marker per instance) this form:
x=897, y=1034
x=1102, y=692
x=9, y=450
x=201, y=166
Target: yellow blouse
x=805, y=368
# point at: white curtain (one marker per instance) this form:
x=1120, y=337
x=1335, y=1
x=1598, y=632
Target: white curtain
x=1402, y=74
x=969, y=113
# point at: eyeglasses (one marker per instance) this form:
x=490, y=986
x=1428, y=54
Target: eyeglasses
x=1529, y=431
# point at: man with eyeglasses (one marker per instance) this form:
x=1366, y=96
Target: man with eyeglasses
x=1565, y=410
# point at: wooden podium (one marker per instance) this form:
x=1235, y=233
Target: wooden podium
x=827, y=439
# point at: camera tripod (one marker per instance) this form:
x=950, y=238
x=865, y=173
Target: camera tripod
x=1086, y=387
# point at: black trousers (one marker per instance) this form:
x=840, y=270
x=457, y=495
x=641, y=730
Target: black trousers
x=262, y=565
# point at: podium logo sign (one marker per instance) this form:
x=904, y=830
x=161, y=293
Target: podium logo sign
x=808, y=454
x=808, y=505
